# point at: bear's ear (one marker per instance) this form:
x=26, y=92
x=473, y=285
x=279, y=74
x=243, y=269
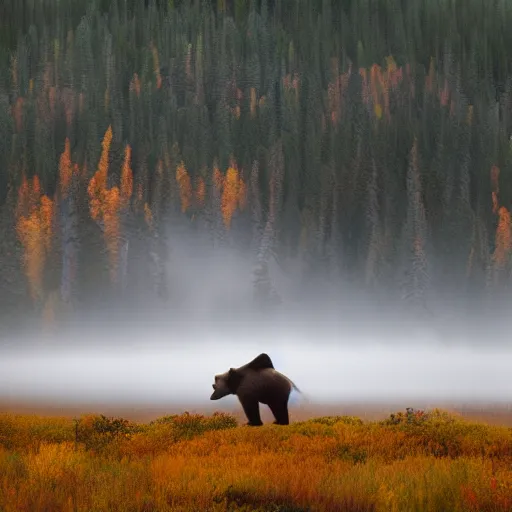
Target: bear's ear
x=261, y=362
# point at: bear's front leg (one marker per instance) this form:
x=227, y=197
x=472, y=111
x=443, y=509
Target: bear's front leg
x=252, y=411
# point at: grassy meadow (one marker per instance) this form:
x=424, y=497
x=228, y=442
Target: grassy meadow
x=410, y=461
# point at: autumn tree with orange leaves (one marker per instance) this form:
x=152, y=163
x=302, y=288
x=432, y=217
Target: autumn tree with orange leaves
x=233, y=194
x=185, y=187
x=503, y=237
x=34, y=226
x=106, y=203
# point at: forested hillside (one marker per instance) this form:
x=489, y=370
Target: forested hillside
x=366, y=143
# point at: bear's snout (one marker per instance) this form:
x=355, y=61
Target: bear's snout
x=219, y=392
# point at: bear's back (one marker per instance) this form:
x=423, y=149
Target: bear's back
x=266, y=384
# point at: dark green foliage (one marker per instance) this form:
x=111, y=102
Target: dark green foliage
x=348, y=453
x=112, y=426
x=97, y=432
x=411, y=417
x=345, y=201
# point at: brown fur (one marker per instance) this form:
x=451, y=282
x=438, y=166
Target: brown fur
x=254, y=383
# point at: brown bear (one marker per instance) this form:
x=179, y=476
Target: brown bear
x=255, y=382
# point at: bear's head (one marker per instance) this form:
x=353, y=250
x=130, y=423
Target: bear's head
x=225, y=384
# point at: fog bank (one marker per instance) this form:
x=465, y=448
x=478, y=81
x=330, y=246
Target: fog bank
x=157, y=372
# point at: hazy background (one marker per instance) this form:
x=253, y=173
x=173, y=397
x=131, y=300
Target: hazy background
x=336, y=351
x=158, y=372
x=187, y=184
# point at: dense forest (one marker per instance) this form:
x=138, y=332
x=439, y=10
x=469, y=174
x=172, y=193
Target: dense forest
x=366, y=143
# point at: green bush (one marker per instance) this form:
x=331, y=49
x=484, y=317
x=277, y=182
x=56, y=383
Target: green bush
x=332, y=420
x=98, y=431
x=188, y=425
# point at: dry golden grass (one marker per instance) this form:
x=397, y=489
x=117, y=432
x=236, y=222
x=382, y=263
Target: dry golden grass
x=493, y=414
x=408, y=462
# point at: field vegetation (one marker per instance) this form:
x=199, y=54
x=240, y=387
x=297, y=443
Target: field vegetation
x=411, y=461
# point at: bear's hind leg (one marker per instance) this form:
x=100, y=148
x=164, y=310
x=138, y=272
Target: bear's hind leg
x=252, y=411
x=280, y=412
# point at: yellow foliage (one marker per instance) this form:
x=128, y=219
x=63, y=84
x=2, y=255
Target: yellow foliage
x=34, y=227
x=377, y=84
x=51, y=462
x=378, y=110
x=218, y=180
x=185, y=187
x=148, y=215
x=105, y=146
x=35, y=192
x=200, y=192
x=229, y=198
x=503, y=238
x=98, y=182
x=375, y=74
x=111, y=219
x=254, y=102
x=95, y=193
x=30, y=235
x=46, y=213
x=105, y=204
x=126, y=177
